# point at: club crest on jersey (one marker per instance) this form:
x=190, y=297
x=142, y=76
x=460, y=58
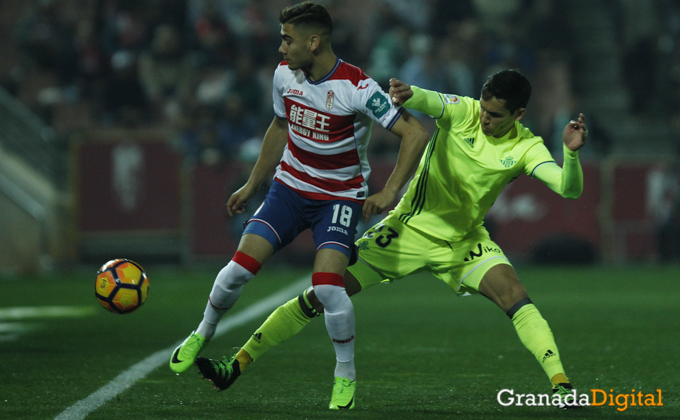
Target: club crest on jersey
x=508, y=161
x=378, y=104
x=329, y=100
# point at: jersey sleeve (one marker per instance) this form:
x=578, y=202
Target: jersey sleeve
x=536, y=156
x=371, y=100
x=441, y=106
x=277, y=94
x=567, y=181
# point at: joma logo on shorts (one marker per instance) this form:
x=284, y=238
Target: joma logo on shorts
x=336, y=229
x=481, y=250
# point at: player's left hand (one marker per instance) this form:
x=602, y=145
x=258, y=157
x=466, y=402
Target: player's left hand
x=575, y=133
x=377, y=203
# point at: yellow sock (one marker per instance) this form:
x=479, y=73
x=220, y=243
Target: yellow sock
x=560, y=378
x=286, y=321
x=537, y=337
x=244, y=359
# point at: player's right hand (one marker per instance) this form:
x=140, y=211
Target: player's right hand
x=400, y=92
x=238, y=201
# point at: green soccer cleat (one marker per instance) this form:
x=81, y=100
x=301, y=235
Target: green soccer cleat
x=343, y=394
x=221, y=373
x=185, y=354
x=567, y=396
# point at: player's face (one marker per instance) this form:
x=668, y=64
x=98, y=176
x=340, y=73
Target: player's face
x=295, y=48
x=495, y=118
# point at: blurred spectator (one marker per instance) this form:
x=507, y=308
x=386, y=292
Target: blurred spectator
x=639, y=67
x=545, y=26
x=124, y=101
x=462, y=53
x=91, y=59
x=423, y=67
x=389, y=52
x=165, y=70
x=663, y=204
x=260, y=32
x=45, y=41
x=235, y=125
x=448, y=14
x=246, y=88
x=345, y=44
x=122, y=25
x=200, y=137
x=213, y=39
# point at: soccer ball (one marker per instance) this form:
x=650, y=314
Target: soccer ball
x=121, y=286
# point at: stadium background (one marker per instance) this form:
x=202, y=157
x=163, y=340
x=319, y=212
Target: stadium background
x=126, y=124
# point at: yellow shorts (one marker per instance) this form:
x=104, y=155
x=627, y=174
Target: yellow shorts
x=391, y=250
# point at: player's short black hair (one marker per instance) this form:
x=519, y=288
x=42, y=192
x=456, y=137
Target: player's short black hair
x=308, y=14
x=510, y=85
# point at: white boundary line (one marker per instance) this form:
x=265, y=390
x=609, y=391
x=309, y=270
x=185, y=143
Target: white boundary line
x=125, y=380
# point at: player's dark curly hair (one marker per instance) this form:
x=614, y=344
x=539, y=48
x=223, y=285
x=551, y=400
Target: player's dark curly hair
x=510, y=85
x=309, y=14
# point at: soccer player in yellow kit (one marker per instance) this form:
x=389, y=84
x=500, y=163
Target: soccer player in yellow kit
x=478, y=147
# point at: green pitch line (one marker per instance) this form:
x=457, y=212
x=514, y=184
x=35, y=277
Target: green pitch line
x=125, y=380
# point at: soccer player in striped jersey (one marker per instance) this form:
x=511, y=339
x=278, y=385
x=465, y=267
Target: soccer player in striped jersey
x=324, y=110
x=479, y=146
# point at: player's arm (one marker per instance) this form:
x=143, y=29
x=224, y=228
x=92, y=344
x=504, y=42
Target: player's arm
x=568, y=180
x=422, y=100
x=272, y=149
x=414, y=139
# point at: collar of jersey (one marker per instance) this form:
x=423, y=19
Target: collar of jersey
x=326, y=77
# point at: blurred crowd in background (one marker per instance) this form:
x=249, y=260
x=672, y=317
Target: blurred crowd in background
x=203, y=68
x=197, y=74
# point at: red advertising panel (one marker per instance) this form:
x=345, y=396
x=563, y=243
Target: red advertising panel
x=214, y=233
x=528, y=213
x=125, y=185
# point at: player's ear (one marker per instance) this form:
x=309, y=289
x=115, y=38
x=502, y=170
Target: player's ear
x=519, y=113
x=314, y=42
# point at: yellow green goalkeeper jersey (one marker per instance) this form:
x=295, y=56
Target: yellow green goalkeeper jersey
x=463, y=171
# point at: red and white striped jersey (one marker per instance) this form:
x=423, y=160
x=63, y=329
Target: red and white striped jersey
x=329, y=126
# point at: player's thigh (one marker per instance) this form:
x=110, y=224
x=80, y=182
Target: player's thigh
x=256, y=246
x=334, y=227
x=462, y=264
x=329, y=260
x=280, y=217
x=388, y=251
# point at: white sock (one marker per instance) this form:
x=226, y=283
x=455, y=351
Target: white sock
x=225, y=292
x=339, y=316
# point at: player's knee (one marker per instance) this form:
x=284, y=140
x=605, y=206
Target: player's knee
x=510, y=295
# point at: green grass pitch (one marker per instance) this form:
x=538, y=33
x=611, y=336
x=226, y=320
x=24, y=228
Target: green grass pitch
x=421, y=352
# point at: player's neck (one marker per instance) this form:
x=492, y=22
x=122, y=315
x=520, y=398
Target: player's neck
x=512, y=131
x=322, y=65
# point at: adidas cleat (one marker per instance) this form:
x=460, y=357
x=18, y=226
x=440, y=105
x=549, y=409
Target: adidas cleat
x=343, y=394
x=185, y=354
x=567, y=396
x=221, y=373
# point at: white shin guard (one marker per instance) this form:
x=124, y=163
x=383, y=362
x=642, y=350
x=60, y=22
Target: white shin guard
x=225, y=292
x=339, y=316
